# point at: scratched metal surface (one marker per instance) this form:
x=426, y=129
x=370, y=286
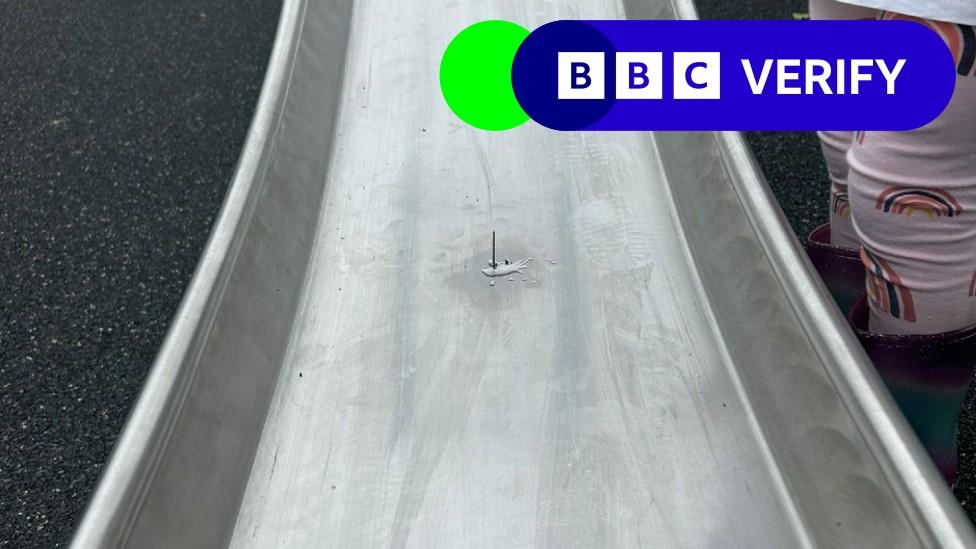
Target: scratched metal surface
x=420, y=406
x=666, y=372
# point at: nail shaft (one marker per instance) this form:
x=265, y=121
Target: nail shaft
x=494, y=264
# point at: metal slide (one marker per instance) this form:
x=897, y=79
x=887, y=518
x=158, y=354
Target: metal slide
x=665, y=373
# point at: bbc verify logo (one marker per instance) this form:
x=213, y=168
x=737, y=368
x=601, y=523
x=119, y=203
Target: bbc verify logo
x=699, y=75
x=640, y=75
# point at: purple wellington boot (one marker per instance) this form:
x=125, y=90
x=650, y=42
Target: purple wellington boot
x=840, y=268
x=928, y=376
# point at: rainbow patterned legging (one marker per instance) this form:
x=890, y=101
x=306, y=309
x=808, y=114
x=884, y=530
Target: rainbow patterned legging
x=908, y=199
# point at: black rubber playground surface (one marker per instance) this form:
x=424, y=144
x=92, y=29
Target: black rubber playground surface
x=120, y=125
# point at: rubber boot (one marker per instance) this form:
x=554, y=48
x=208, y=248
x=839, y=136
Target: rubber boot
x=840, y=268
x=928, y=375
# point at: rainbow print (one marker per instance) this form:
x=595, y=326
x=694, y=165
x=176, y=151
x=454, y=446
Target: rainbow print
x=961, y=40
x=839, y=205
x=885, y=288
x=908, y=200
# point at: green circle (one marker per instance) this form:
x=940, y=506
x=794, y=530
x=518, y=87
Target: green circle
x=476, y=75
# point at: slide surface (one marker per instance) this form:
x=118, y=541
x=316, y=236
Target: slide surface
x=658, y=369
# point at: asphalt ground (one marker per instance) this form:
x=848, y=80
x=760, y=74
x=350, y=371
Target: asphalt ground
x=120, y=126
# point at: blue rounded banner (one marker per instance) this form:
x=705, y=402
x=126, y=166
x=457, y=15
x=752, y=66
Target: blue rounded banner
x=733, y=75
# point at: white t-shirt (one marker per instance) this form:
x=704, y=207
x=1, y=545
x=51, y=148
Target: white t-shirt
x=953, y=11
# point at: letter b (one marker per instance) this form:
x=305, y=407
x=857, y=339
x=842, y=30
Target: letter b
x=639, y=75
x=580, y=75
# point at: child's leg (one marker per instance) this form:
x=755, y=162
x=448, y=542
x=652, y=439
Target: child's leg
x=913, y=199
x=834, y=144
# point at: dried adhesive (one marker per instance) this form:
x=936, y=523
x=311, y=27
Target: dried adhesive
x=507, y=268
